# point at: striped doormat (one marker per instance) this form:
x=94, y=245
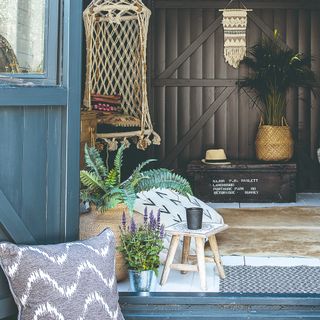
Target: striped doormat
x=270, y=279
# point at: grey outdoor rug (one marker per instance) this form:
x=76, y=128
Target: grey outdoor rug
x=270, y=279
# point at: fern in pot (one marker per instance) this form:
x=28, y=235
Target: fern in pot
x=274, y=70
x=110, y=195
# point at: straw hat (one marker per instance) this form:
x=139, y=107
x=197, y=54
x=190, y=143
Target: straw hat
x=215, y=156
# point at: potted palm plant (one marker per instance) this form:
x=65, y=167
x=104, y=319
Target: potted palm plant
x=110, y=194
x=274, y=70
x=141, y=245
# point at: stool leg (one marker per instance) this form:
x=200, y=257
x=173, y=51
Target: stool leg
x=185, y=251
x=216, y=255
x=172, y=250
x=201, y=262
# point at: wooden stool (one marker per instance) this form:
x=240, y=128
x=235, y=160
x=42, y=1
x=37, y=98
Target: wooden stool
x=209, y=230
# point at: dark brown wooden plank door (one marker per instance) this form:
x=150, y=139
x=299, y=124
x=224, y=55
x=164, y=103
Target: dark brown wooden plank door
x=195, y=99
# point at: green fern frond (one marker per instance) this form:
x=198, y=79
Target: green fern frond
x=137, y=176
x=118, y=162
x=142, y=165
x=129, y=197
x=163, y=178
x=111, y=200
x=124, y=195
x=133, y=181
x=111, y=179
x=117, y=196
x=94, y=161
x=91, y=181
x=90, y=197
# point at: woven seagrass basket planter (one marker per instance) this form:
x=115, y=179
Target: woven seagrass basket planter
x=274, y=143
x=94, y=222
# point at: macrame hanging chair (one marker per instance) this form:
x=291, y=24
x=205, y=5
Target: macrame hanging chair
x=116, y=86
x=8, y=59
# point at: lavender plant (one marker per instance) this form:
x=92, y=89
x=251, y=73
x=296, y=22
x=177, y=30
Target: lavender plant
x=141, y=244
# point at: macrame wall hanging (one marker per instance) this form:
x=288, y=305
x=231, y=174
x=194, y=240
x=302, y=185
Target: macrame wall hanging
x=116, y=80
x=234, y=23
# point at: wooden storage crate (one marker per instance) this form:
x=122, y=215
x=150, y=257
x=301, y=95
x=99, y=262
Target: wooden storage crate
x=243, y=181
x=88, y=129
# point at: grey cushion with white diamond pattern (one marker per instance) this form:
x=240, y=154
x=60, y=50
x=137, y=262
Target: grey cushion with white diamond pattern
x=64, y=281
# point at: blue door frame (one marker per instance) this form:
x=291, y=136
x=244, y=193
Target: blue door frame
x=219, y=306
x=39, y=149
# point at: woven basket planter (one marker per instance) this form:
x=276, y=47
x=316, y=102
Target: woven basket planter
x=94, y=222
x=274, y=143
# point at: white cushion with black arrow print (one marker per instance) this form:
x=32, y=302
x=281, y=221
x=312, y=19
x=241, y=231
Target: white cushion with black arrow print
x=172, y=206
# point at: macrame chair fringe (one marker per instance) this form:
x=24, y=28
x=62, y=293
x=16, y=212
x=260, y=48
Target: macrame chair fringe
x=116, y=42
x=143, y=142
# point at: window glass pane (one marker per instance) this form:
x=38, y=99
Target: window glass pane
x=22, y=28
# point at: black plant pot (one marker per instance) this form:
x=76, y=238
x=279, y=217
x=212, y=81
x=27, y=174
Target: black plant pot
x=194, y=218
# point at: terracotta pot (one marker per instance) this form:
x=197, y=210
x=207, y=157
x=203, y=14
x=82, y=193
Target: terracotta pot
x=94, y=222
